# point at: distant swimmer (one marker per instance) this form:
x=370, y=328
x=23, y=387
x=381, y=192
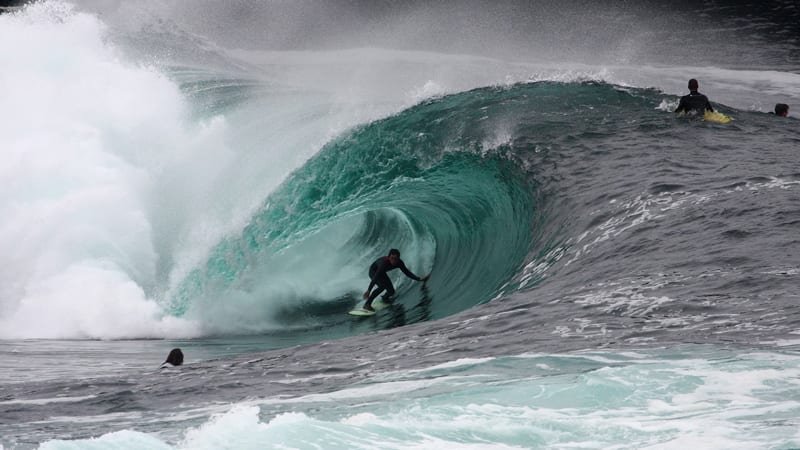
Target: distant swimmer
x=378, y=277
x=174, y=359
x=782, y=110
x=694, y=102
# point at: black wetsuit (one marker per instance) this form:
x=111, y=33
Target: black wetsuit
x=379, y=277
x=695, y=101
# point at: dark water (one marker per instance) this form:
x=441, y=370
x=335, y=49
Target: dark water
x=600, y=267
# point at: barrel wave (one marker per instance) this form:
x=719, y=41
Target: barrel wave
x=440, y=181
x=465, y=185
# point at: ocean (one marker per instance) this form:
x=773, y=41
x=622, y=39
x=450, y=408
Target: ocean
x=218, y=177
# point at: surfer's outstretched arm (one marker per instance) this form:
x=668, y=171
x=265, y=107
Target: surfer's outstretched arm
x=410, y=274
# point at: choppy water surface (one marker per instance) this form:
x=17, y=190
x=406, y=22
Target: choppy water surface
x=604, y=274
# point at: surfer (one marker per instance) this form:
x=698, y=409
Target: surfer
x=782, y=110
x=378, y=277
x=695, y=101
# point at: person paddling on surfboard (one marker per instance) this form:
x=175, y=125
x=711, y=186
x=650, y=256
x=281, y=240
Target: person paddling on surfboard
x=378, y=277
x=695, y=101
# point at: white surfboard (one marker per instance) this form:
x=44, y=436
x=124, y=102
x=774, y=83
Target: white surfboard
x=377, y=305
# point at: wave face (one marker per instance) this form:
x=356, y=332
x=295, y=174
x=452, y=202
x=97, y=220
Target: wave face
x=251, y=195
x=531, y=191
x=438, y=181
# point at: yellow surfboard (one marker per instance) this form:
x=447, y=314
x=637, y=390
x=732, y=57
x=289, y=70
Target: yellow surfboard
x=716, y=117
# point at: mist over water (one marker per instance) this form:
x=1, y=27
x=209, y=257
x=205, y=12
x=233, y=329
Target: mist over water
x=83, y=133
x=680, y=33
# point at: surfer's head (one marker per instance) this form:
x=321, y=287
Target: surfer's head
x=782, y=109
x=693, y=85
x=175, y=357
x=394, y=256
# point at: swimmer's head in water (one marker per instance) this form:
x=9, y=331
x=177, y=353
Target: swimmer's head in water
x=175, y=357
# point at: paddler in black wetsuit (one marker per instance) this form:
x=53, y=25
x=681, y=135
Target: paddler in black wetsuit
x=379, y=277
x=695, y=101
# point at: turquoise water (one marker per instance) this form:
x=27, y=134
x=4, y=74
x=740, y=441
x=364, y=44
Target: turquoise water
x=423, y=181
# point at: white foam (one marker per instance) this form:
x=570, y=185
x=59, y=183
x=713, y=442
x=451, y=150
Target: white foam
x=82, y=134
x=125, y=439
x=46, y=401
x=697, y=399
x=461, y=362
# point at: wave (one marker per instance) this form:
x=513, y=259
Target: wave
x=174, y=200
x=437, y=181
x=454, y=182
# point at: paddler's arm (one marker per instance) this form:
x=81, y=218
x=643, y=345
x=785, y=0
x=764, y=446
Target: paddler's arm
x=681, y=106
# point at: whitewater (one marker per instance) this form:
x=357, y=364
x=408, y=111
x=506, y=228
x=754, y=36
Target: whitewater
x=218, y=177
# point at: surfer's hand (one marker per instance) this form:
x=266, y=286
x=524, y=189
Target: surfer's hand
x=425, y=278
x=366, y=295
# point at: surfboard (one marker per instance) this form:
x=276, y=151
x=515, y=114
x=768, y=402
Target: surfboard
x=377, y=305
x=716, y=117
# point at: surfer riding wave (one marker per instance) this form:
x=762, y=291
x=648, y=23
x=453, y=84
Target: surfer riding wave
x=378, y=277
